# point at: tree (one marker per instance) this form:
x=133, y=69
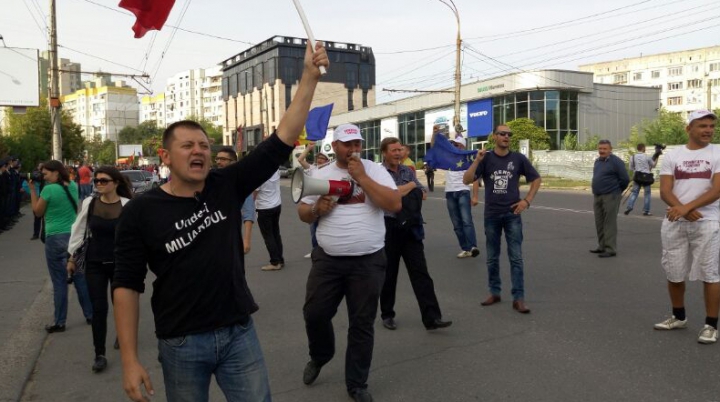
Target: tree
x=213, y=131
x=525, y=129
x=136, y=135
x=101, y=152
x=29, y=135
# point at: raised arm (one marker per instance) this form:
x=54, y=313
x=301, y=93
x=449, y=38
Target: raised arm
x=294, y=118
x=301, y=158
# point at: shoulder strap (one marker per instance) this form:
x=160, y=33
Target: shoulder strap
x=87, y=218
x=72, y=200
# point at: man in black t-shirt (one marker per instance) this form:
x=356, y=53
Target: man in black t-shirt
x=500, y=170
x=181, y=231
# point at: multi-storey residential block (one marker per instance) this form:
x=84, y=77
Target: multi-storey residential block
x=154, y=108
x=689, y=79
x=259, y=83
x=70, y=78
x=103, y=108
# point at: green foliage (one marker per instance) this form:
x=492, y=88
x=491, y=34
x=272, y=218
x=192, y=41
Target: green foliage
x=101, y=152
x=213, y=131
x=136, y=135
x=29, y=135
x=590, y=144
x=525, y=129
x=570, y=142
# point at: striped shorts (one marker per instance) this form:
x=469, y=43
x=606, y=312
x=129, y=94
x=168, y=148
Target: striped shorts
x=691, y=250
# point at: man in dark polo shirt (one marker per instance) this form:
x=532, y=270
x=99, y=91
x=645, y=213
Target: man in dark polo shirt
x=610, y=179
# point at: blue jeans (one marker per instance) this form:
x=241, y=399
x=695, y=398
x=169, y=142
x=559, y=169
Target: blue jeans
x=56, y=257
x=313, y=237
x=634, y=195
x=85, y=191
x=232, y=353
x=458, y=205
x=512, y=225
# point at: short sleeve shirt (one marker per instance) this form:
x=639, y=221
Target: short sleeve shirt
x=692, y=171
x=59, y=214
x=501, y=176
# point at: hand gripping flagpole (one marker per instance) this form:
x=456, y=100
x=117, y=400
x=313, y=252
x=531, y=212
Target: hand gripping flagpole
x=308, y=30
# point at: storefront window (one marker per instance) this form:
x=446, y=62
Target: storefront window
x=371, y=134
x=412, y=134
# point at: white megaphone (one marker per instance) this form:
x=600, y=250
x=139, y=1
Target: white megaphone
x=302, y=186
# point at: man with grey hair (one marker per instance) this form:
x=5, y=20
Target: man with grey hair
x=610, y=179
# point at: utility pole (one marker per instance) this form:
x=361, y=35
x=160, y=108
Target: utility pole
x=54, y=98
x=456, y=119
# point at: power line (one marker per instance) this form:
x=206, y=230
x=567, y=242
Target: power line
x=98, y=57
x=170, y=40
x=43, y=32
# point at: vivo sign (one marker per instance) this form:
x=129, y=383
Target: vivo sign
x=480, y=122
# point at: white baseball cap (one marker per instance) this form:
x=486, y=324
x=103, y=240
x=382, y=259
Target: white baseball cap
x=347, y=132
x=699, y=114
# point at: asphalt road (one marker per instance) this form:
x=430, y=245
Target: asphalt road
x=589, y=336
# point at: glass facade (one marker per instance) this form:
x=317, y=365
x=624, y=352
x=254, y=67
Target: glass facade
x=555, y=111
x=411, y=130
x=371, y=134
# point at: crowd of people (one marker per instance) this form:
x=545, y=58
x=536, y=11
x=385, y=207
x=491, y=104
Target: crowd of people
x=98, y=236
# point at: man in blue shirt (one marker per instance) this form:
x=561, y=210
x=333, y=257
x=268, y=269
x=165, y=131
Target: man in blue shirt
x=500, y=170
x=610, y=179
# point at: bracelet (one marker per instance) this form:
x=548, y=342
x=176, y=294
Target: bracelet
x=314, y=211
x=528, y=202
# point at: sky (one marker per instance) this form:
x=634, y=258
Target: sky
x=413, y=40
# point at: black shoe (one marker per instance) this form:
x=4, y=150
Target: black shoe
x=647, y=214
x=475, y=252
x=597, y=251
x=54, y=328
x=312, y=371
x=438, y=323
x=607, y=255
x=88, y=321
x=360, y=395
x=116, y=345
x=100, y=364
x=34, y=237
x=390, y=324
x=627, y=211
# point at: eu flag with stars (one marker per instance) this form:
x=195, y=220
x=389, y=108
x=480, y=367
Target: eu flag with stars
x=443, y=155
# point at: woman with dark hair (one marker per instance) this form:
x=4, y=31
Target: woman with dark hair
x=98, y=217
x=58, y=204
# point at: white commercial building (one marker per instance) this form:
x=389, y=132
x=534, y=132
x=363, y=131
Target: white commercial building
x=689, y=79
x=196, y=93
x=103, y=108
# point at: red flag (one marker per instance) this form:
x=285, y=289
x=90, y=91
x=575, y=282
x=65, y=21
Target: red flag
x=150, y=14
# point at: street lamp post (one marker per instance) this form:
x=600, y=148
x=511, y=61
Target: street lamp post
x=456, y=119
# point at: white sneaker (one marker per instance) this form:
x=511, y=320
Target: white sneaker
x=308, y=255
x=708, y=335
x=672, y=323
x=271, y=267
x=464, y=254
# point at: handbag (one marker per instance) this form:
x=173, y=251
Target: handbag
x=643, y=179
x=81, y=252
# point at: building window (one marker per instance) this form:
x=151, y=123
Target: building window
x=350, y=100
x=620, y=78
x=371, y=134
x=715, y=82
x=411, y=131
x=674, y=86
x=637, y=76
x=694, y=84
x=674, y=101
x=714, y=67
x=675, y=71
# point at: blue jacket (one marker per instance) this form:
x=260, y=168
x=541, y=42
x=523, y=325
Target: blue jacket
x=609, y=176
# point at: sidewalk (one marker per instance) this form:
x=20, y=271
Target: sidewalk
x=25, y=305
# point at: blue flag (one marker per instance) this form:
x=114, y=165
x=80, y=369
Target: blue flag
x=443, y=155
x=317, y=122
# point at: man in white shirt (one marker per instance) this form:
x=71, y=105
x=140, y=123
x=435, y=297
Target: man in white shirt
x=642, y=165
x=458, y=200
x=349, y=260
x=269, y=205
x=690, y=186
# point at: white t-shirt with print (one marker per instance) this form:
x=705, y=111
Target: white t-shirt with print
x=454, y=181
x=693, y=171
x=355, y=227
x=268, y=195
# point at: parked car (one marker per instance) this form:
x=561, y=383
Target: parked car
x=154, y=179
x=139, y=181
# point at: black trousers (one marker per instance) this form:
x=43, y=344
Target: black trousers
x=400, y=242
x=36, y=226
x=359, y=280
x=269, y=222
x=99, y=277
x=431, y=181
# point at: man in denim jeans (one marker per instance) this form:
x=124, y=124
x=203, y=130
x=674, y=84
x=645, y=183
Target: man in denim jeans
x=500, y=170
x=181, y=231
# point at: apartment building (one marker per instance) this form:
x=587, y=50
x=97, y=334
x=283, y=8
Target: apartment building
x=154, y=108
x=102, y=108
x=689, y=79
x=70, y=76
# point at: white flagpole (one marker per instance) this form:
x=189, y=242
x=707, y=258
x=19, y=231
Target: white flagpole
x=308, y=30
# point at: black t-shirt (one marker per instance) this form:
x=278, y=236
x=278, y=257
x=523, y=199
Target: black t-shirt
x=191, y=245
x=101, y=229
x=501, y=175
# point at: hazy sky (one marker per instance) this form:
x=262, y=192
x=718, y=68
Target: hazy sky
x=515, y=35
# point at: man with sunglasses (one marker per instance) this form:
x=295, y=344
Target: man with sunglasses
x=610, y=179
x=500, y=170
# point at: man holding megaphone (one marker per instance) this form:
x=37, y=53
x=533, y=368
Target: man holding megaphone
x=350, y=259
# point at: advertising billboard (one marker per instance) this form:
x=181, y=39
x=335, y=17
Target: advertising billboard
x=130, y=150
x=444, y=119
x=19, y=77
x=389, y=128
x=480, y=118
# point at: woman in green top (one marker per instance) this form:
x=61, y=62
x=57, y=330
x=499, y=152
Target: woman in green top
x=58, y=204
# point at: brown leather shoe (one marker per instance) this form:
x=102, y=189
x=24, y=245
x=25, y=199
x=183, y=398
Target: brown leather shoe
x=519, y=306
x=491, y=300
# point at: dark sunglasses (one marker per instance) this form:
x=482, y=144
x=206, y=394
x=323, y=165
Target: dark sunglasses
x=102, y=181
x=504, y=133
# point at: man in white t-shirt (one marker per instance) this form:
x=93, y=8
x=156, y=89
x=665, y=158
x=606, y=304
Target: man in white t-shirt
x=459, y=200
x=349, y=260
x=690, y=186
x=269, y=206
